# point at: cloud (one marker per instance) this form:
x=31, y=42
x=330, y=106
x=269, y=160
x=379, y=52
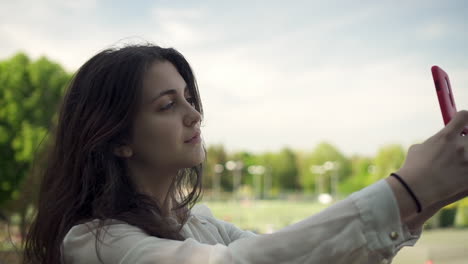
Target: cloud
x=360, y=103
x=434, y=31
x=65, y=31
x=268, y=77
x=177, y=26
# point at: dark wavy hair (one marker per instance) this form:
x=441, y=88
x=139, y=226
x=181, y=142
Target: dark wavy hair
x=83, y=179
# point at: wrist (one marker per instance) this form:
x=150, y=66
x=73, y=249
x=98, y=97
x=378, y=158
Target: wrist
x=417, y=221
x=410, y=191
x=425, y=191
x=406, y=205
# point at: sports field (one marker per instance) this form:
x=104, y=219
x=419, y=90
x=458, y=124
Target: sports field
x=444, y=246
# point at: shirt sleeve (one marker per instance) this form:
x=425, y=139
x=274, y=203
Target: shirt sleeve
x=364, y=228
x=381, y=221
x=235, y=232
x=227, y=230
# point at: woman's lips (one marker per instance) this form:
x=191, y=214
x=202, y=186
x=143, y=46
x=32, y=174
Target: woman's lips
x=194, y=140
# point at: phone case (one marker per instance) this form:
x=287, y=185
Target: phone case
x=445, y=95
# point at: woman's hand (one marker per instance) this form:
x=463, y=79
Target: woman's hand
x=416, y=221
x=436, y=170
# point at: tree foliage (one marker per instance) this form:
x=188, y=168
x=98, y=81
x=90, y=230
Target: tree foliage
x=216, y=154
x=389, y=158
x=30, y=92
x=322, y=153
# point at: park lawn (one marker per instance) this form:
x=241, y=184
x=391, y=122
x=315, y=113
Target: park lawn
x=447, y=246
x=444, y=246
x=263, y=216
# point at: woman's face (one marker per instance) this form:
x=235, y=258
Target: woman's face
x=165, y=121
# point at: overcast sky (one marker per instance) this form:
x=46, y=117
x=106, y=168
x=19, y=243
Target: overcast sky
x=276, y=73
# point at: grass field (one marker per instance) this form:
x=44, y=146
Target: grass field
x=444, y=246
x=263, y=216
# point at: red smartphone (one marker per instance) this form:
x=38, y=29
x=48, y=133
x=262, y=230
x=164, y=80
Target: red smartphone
x=445, y=95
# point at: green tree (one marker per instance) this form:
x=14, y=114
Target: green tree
x=248, y=159
x=30, y=92
x=389, y=158
x=216, y=154
x=361, y=170
x=268, y=160
x=285, y=173
x=322, y=153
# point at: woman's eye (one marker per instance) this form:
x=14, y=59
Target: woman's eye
x=168, y=106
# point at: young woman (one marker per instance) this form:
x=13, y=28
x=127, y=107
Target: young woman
x=125, y=170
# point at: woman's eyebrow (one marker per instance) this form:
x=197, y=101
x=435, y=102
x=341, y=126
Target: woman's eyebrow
x=170, y=91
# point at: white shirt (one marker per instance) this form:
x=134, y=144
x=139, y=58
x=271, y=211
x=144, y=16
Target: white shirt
x=363, y=228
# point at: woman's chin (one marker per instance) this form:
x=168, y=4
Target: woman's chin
x=195, y=161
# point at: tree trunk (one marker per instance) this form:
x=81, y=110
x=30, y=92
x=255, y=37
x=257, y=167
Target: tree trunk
x=22, y=226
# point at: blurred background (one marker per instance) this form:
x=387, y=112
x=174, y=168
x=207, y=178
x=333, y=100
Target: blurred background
x=305, y=102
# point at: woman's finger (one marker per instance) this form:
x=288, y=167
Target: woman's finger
x=457, y=124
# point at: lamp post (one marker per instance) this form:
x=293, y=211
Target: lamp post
x=219, y=168
x=267, y=182
x=257, y=171
x=333, y=166
x=236, y=168
x=321, y=170
x=318, y=169
x=230, y=166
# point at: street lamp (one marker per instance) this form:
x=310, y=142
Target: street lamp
x=320, y=170
x=219, y=168
x=236, y=168
x=334, y=179
x=319, y=187
x=257, y=171
x=267, y=182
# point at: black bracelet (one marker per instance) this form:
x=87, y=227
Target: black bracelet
x=418, y=204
